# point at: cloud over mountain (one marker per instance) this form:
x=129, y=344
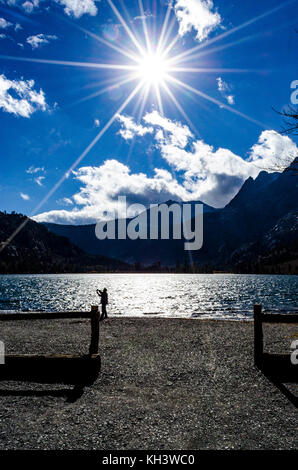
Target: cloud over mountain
x=196, y=171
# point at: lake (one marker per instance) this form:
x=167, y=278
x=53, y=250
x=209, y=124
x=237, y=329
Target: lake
x=218, y=296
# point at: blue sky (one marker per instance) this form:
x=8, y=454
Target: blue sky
x=215, y=130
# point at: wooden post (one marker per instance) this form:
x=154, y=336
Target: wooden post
x=94, y=330
x=258, y=332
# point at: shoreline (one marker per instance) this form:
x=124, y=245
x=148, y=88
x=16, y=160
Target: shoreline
x=145, y=316
x=160, y=316
x=148, y=273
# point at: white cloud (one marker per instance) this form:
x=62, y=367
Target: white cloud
x=25, y=196
x=39, y=180
x=129, y=128
x=101, y=187
x=27, y=101
x=225, y=89
x=65, y=201
x=216, y=175
x=196, y=171
x=97, y=122
x=272, y=150
x=32, y=170
x=197, y=15
x=143, y=17
x=75, y=8
x=2, y=36
x=4, y=24
x=178, y=132
x=40, y=40
x=29, y=6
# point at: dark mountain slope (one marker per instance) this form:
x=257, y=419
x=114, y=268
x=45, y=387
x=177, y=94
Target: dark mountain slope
x=145, y=251
x=277, y=247
x=36, y=250
x=257, y=207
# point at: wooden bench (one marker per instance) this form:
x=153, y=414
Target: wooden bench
x=274, y=365
x=52, y=368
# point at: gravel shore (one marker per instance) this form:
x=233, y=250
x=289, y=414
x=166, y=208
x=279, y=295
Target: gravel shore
x=164, y=384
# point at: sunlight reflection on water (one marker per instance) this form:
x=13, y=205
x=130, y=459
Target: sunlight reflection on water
x=227, y=296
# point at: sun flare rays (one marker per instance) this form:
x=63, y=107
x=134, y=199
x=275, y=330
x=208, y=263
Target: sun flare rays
x=152, y=62
x=150, y=66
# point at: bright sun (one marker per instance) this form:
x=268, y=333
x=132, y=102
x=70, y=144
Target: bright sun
x=152, y=68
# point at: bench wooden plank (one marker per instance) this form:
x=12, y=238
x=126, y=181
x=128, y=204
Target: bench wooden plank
x=259, y=319
x=279, y=367
x=279, y=318
x=92, y=315
x=44, y=315
x=53, y=368
x=59, y=368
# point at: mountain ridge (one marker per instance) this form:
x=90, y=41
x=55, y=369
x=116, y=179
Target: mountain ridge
x=229, y=232
x=254, y=232
x=37, y=250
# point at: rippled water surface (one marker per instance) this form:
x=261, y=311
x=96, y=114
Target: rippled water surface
x=227, y=296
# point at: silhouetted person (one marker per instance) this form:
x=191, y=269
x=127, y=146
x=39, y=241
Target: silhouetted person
x=104, y=301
